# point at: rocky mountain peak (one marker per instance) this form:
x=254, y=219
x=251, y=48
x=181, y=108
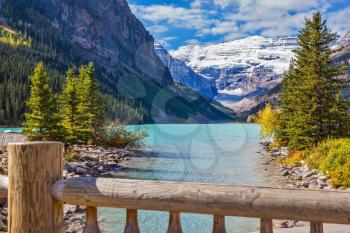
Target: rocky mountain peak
x=107, y=29
x=342, y=44
x=185, y=75
x=243, y=70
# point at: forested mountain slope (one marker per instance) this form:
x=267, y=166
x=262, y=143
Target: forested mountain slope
x=64, y=33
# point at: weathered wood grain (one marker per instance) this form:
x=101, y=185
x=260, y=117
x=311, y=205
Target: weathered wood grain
x=316, y=227
x=3, y=186
x=91, y=220
x=132, y=224
x=33, y=168
x=266, y=225
x=222, y=200
x=219, y=224
x=174, y=223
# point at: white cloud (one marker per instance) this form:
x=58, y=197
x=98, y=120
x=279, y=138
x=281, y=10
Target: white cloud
x=170, y=38
x=192, y=41
x=191, y=18
x=198, y=3
x=164, y=41
x=339, y=21
x=223, y=3
x=232, y=19
x=219, y=3
x=220, y=28
x=158, y=28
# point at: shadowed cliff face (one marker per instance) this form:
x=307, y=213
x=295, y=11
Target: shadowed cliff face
x=109, y=32
x=67, y=33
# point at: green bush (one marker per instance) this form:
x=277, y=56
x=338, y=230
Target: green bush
x=118, y=135
x=71, y=156
x=332, y=157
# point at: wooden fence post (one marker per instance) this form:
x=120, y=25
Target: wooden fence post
x=33, y=168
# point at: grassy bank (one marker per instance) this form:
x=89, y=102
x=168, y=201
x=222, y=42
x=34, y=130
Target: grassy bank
x=332, y=157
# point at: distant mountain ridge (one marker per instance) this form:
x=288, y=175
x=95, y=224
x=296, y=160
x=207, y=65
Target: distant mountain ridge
x=247, y=72
x=243, y=70
x=342, y=56
x=185, y=75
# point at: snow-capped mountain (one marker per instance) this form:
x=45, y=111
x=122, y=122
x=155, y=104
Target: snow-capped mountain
x=344, y=41
x=185, y=75
x=342, y=47
x=342, y=56
x=243, y=70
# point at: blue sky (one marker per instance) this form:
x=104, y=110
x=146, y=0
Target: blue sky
x=176, y=23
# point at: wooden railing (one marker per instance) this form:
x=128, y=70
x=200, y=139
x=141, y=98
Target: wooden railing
x=37, y=193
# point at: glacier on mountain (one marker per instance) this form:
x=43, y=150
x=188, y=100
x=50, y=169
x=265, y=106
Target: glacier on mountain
x=185, y=75
x=241, y=71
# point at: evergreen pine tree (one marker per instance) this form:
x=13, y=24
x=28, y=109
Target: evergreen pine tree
x=41, y=118
x=90, y=108
x=311, y=105
x=69, y=114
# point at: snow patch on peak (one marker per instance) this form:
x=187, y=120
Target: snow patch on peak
x=243, y=69
x=245, y=53
x=183, y=74
x=344, y=41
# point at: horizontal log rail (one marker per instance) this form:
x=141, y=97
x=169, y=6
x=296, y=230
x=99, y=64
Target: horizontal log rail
x=35, y=202
x=221, y=200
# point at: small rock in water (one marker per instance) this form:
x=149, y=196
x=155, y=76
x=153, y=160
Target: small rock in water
x=322, y=178
x=106, y=175
x=308, y=174
x=313, y=184
x=81, y=171
x=305, y=184
x=322, y=184
x=72, y=166
x=282, y=224
x=101, y=169
x=286, y=173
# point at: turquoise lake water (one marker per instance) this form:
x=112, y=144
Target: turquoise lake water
x=11, y=130
x=220, y=153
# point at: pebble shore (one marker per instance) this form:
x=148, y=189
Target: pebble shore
x=83, y=161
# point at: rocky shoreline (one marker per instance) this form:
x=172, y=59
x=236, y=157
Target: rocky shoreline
x=80, y=161
x=96, y=161
x=296, y=177
x=101, y=162
x=91, y=161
